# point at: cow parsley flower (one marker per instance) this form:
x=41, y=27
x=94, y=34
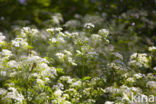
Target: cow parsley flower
x=47, y=71
x=40, y=82
x=76, y=84
x=53, y=30
x=103, y=32
x=14, y=94
x=3, y=73
x=89, y=25
x=68, y=79
x=68, y=34
x=12, y=64
x=58, y=86
x=53, y=40
x=3, y=91
x=2, y=37
x=96, y=37
x=151, y=84
x=60, y=55
x=79, y=52
x=67, y=52
x=34, y=59
x=6, y=52
x=61, y=39
x=140, y=60
x=153, y=48
x=70, y=60
x=28, y=31
x=67, y=102
x=58, y=93
x=131, y=80
x=58, y=29
x=19, y=42
x=109, y=102
x=138, y=75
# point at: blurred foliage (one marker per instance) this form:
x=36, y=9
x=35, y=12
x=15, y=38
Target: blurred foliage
x=77, y=51
x=37, y=11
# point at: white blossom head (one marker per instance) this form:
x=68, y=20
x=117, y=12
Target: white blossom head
x=89, y=25
x=152, y=49
x=103, y=32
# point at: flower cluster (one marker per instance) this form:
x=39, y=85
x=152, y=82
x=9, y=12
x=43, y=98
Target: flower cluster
x=139, y=60
x=80, y=62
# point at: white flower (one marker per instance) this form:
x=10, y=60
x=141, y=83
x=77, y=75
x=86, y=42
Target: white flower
x=53, y=30
x=103, y=32
x=78, y=52
x=89, y=25
x=70, y=60
x=66, y=78
x=19, y=42
x=12, y=64
x=47, y=71
x=109, y=102
x=34, y=31
x=36, y=59
x=2, y=91
x=58, y=86
x=61, y=34
x=153, y=48
x=139, y=59
x=125, y=75
x=58, y=29
x=131, y=80
x=53, y=40
x=61, y=39
x=60, y=55
x=125, y=97
x=2, y=37
x=28, y=30
x=151, y=84
x=3, y=73
x=154, y=68
x=138, y=75
x=15, y=43
x=67, y=102
x=66, y=96
x=76, y=84
x=58, y=93
x=2, y=42
x=67, y=52
x=44, y=66
x=14, y=95
x=40, y=82
x=35, y=75
x=67, y=34
x=136, y=89
x=50, y=30
x=6, y=52
x=96, y=37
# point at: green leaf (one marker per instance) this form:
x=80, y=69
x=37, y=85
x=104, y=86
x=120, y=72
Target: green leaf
x=86, y=78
